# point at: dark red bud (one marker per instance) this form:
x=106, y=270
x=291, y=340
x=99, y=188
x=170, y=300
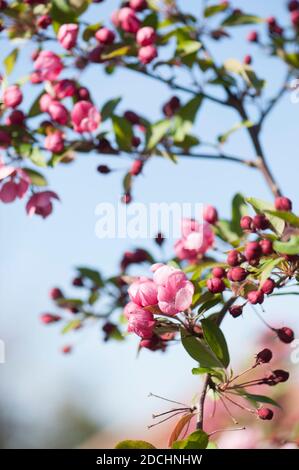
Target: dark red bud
x=283, y=204
x=55, y=293
x=210, y=215
x=159, y=239
x=261, y=222
x=246, y=223
x=265, y=413
x=285, y=334
x=266, y=247
x=234, y=258
x=48, y=318
x=237, y=274
x=103, y=169
x=236, y=310
x=77, y=282
x=218, y=272
x=264, y=356
x=268, y=286
x=255, y=297
x=215, y=285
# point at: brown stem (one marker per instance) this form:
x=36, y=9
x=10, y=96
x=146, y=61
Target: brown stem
x=261, y=162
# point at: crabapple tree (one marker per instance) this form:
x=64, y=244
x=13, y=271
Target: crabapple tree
x=219, y=267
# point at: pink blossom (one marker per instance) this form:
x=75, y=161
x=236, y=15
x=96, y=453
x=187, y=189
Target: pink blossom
x=175, y=295
x=146, y=36
x=129, y=309
x=85, y=117
x=196, y=240
x=142, y=323
x=105, y=36
x=64, y=88
x=162, y=273
x=143, y=292
x=9, y=192
x=17, y=186
x=55, y=142
x=115, y=18
x=41, y=204
x=147, y=54
x=67, y=35
x=128, y=20
x=44, y=102
x=12, y=96
x=58, y=112
x=48, y=65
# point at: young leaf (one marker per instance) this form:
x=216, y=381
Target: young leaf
x=198, y=350
x=10, y=60
x=290, y=247
x=197, y=440
x=206, y=370
x=239, y=209
x=91, y=274
x=258, y=398
x=237, y=19
x=71, y=325
x=185, y=118
x=123, y=132
x=157, y=132
x=216, y=340
x=109, y=108
x=288, y=217
x=37, y=178
x=129, y=444
x=179, y=427
x=268, y=268
x=240, y=125
x=214, y=9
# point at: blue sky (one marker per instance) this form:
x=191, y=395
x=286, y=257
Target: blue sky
x=35, y=254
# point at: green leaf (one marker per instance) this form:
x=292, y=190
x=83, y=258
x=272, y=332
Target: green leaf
x=157, y=132
x=134, y=445
x=240, y=125
x=37, y=157
x=72, y=325
x=90, y=31
x=185, y=118
x=288, y=217
x=123, y=132
x=37, y=179
x=291, y=58
x=216, y=340
x=92, y=275
x=68, y=11
x=35, y=108
x=198, y=350
x=206, y=370
x=225, y=232
x=109, y=108
x=290, y=247
x=239, y=209
x=245, y=71
x=268, y=267
x=208, y=305
x=238, y=19
x=257, y=398
x=260, y=207
x=187, y=47
x=214, y=9
x=10, y=60
x=116, y=52
x=196, y=440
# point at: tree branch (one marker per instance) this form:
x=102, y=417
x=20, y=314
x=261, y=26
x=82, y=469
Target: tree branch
x=176, y=86
x=274, y=100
